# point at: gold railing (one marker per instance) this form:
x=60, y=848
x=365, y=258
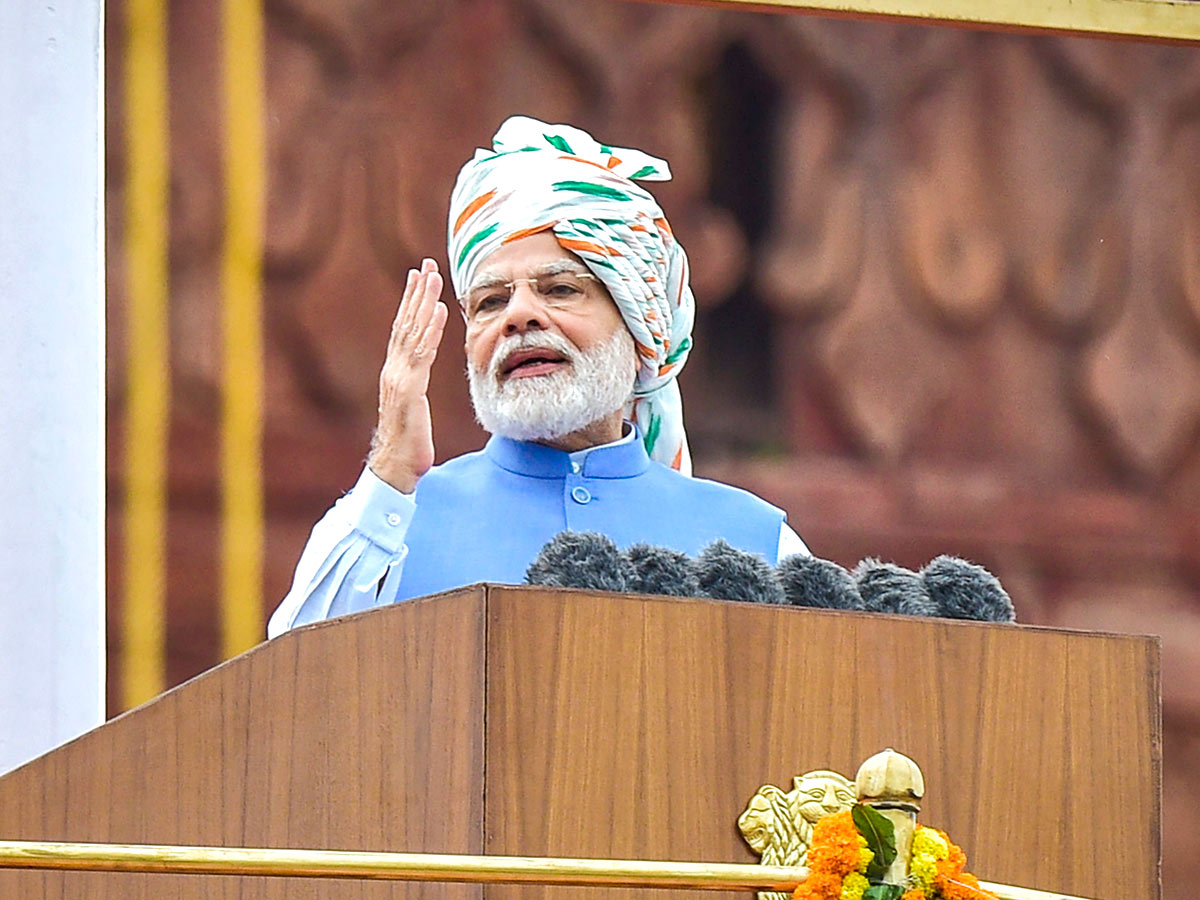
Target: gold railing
x=184, y=860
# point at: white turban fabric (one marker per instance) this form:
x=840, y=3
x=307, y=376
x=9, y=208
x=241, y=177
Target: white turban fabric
x=540, y=176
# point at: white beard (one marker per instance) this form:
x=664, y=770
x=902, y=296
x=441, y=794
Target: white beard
x=596, y=383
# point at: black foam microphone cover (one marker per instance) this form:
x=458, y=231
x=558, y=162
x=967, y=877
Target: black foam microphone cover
x=889, y=588
x=963, y=590
x=580, y=559
x=657, y=570
x=726, y=573
x=821, y=583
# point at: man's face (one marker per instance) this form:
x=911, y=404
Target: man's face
x=586, y=321
x=548, y=356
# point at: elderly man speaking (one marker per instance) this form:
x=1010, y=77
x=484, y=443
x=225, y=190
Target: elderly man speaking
x=578, y=320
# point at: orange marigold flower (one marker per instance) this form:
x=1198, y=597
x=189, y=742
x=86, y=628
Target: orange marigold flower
x=914, y=894
x=953, y=864
x=835, y=845
x=964, y=886
x=820, y=886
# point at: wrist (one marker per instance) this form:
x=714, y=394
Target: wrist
x=393, y=471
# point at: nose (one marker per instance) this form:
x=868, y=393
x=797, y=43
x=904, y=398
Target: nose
x=525, y=310
x=830, y=801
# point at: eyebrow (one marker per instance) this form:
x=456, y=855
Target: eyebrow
x=554, y=267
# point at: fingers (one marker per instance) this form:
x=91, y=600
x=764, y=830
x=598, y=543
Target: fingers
x=404, y=311
x=424, y=333
x=422, y=289
x=427, y=346
x=416, y=335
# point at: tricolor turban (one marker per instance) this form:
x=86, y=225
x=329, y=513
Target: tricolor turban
x=539, y=176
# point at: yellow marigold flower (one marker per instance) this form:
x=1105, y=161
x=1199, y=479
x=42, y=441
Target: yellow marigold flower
x=853, y=886
x=923, y=867
x=864, y=857
x=927, y=840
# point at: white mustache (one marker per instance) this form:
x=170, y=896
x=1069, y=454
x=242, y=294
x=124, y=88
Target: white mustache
x=529, y=340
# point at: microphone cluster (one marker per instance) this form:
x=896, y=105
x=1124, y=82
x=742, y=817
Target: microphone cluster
x=948, y=587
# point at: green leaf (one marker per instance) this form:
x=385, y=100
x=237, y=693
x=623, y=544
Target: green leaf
x=884, y=892
x=881, y=838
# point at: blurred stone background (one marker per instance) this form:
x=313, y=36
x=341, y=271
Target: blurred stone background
x=948, y=285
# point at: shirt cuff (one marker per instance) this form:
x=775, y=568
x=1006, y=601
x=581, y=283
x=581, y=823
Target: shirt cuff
x=378, y=511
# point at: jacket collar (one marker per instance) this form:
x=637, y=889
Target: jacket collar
x=620, y=460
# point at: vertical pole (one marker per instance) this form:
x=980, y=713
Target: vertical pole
x=146, y=137
x=241, y=289
x=51, y=375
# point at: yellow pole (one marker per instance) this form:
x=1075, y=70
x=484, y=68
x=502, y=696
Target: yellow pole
x=241, y=289
x=149, y=378
x=395, y=866
x=424, y=867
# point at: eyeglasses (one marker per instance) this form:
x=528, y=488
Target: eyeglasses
x=559, y=290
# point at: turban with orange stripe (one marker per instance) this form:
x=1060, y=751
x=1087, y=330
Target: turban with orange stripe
x=540, y=176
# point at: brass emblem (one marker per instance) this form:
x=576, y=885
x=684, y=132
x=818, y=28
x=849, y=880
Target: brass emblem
x=779, y=825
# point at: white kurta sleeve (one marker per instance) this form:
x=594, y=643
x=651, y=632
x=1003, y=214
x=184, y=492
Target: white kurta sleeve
x=353, y=558
x=790, y=543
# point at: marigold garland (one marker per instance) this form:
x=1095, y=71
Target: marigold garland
x=838, y=858
x=837, y=851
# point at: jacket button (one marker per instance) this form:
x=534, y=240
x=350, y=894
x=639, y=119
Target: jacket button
x=580, y=495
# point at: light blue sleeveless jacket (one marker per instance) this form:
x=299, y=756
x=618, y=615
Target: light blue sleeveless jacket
x=484, y=516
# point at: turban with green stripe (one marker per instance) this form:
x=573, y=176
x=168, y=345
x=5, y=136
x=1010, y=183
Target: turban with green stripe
x=540, y=176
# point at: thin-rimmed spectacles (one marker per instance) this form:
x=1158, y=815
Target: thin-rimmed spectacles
x=558, y=290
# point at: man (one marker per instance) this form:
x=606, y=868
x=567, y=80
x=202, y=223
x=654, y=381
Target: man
x=578, y=319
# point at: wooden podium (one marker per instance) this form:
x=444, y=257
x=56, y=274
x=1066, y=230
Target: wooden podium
x=527, y=721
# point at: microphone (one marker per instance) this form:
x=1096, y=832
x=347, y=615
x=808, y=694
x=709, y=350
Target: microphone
x=889, y=588
x=963, y=590
x=819, y=583
x=729, y=574
x=580, y=559
x=657, y=570
x=948, y=587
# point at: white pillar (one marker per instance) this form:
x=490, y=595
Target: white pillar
x=51, y=374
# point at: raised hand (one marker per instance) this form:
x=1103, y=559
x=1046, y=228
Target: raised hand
x=402, y=447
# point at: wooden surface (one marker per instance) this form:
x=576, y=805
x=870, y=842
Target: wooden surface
x=640, y=727
x=517, y=721
x=335, y=736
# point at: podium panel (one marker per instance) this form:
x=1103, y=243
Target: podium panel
x=360, y=733
x=527, y=721
x=640, y=727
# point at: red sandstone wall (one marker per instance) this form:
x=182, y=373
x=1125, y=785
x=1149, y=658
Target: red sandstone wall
x=949, y=284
